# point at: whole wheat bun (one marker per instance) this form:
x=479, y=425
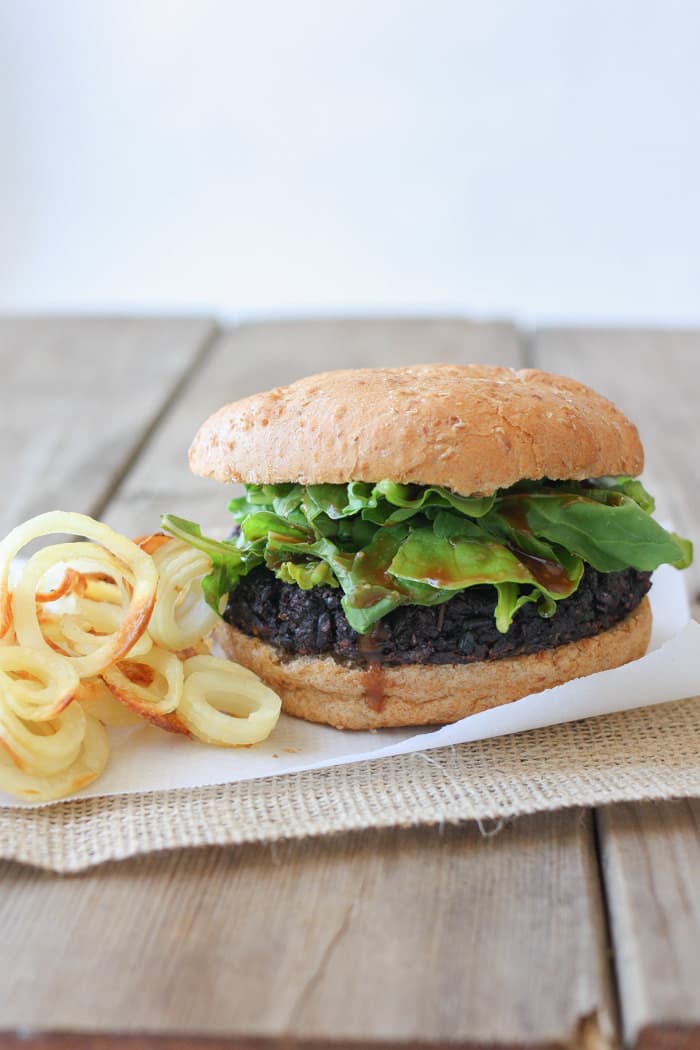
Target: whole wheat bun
x=471, y=428
x=319, y=689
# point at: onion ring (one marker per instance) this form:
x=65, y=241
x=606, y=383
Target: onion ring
x=43, y=683
x=151, y=686
x=88, y=628
x=42, y=748
x=67, y=584
x=125, y=554
x=152, y=542
x=180, y=616
x=9, y=638
x=106, y=630
x=225, y=704
x=97, y=700
x=89, y=762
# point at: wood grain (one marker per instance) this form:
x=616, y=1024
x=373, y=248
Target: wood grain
x=651, y=863
x=392, y=937
x=655, y=378
x=78, y=399
x=401, y=936
x=395, y=937
x=651, y=853
x=257, y=357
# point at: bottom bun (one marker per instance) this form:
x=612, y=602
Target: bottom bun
x=319, y=689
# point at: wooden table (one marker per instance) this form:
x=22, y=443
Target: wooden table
x=579, y=929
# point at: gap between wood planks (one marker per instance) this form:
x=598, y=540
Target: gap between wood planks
x=651, y=375
x=203, y=352
x=613, y=975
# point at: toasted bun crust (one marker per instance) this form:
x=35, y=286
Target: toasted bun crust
x=471, y=428
x=321, y=690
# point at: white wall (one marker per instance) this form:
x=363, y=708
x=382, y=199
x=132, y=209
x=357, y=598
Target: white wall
x=532, y=158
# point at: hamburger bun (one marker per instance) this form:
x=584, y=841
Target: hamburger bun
x=470, y=428
x=473, y=429
x=319, y=689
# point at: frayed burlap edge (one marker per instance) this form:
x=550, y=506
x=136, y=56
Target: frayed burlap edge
x=649, y=753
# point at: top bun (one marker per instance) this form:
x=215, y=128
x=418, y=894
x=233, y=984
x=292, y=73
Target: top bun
x=471, y=428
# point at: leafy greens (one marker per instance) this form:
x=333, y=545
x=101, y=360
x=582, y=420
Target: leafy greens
x=387, y=544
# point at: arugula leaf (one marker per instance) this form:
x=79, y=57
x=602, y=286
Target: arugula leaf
x=229, y=562
x=609, y=536
x=631, y=487
x=509, y=600
x=452, y=564
x=388, y=544
x=306, y=574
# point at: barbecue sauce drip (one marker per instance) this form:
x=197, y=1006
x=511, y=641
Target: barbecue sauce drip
x=373, y=683
x=550, y=574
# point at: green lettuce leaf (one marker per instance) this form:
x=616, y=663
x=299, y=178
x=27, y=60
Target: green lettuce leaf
x=511, y=598
x=610, y=536
x=388, y=544
x=306, y=574
x=229, y=562
x=631, y=487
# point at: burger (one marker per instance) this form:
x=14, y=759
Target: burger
x=418, y=544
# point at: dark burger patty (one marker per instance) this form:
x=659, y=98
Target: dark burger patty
x=462, y=630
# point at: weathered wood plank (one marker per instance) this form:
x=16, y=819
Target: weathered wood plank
x=651, y=863
x=655, y=378
x=651, y=853
x=77, y=400
x=257, y=357
x=402, y=936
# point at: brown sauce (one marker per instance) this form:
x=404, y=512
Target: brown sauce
x=435, y=575
x=373, y=686
x=370, y=649
x=514, y=513
x=549, y=573
x=368, y=596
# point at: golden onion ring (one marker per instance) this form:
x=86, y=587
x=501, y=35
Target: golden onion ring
x=180, y=617
x=88, y=627
x=9, y=638
x=225, y=704
x=35, y=686
x=97, y=700
x=128, y=557
x=89, y=761
x=42, y=748
x=67, y=584
x=152, y=541
x=151, y=685
x=117, y=637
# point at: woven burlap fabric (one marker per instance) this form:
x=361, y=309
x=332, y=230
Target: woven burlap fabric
x=650, y=753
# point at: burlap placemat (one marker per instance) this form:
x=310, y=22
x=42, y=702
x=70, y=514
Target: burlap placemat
x=650, y=753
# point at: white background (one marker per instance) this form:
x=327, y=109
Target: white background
x=536, y=159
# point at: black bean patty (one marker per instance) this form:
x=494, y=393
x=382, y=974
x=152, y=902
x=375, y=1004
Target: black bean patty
x=463, y=630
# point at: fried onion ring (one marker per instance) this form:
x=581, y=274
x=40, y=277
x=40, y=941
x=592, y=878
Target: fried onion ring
x=225, y=704
x=97, y=700
x=67, y=584
x=42, y=748
x=35, y=686
x=124, y=557
x=151, y=686
x=180, y=616
x=105, y=630
x=89, y=761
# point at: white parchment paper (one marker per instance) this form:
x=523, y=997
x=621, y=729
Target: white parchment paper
x=147, y=759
